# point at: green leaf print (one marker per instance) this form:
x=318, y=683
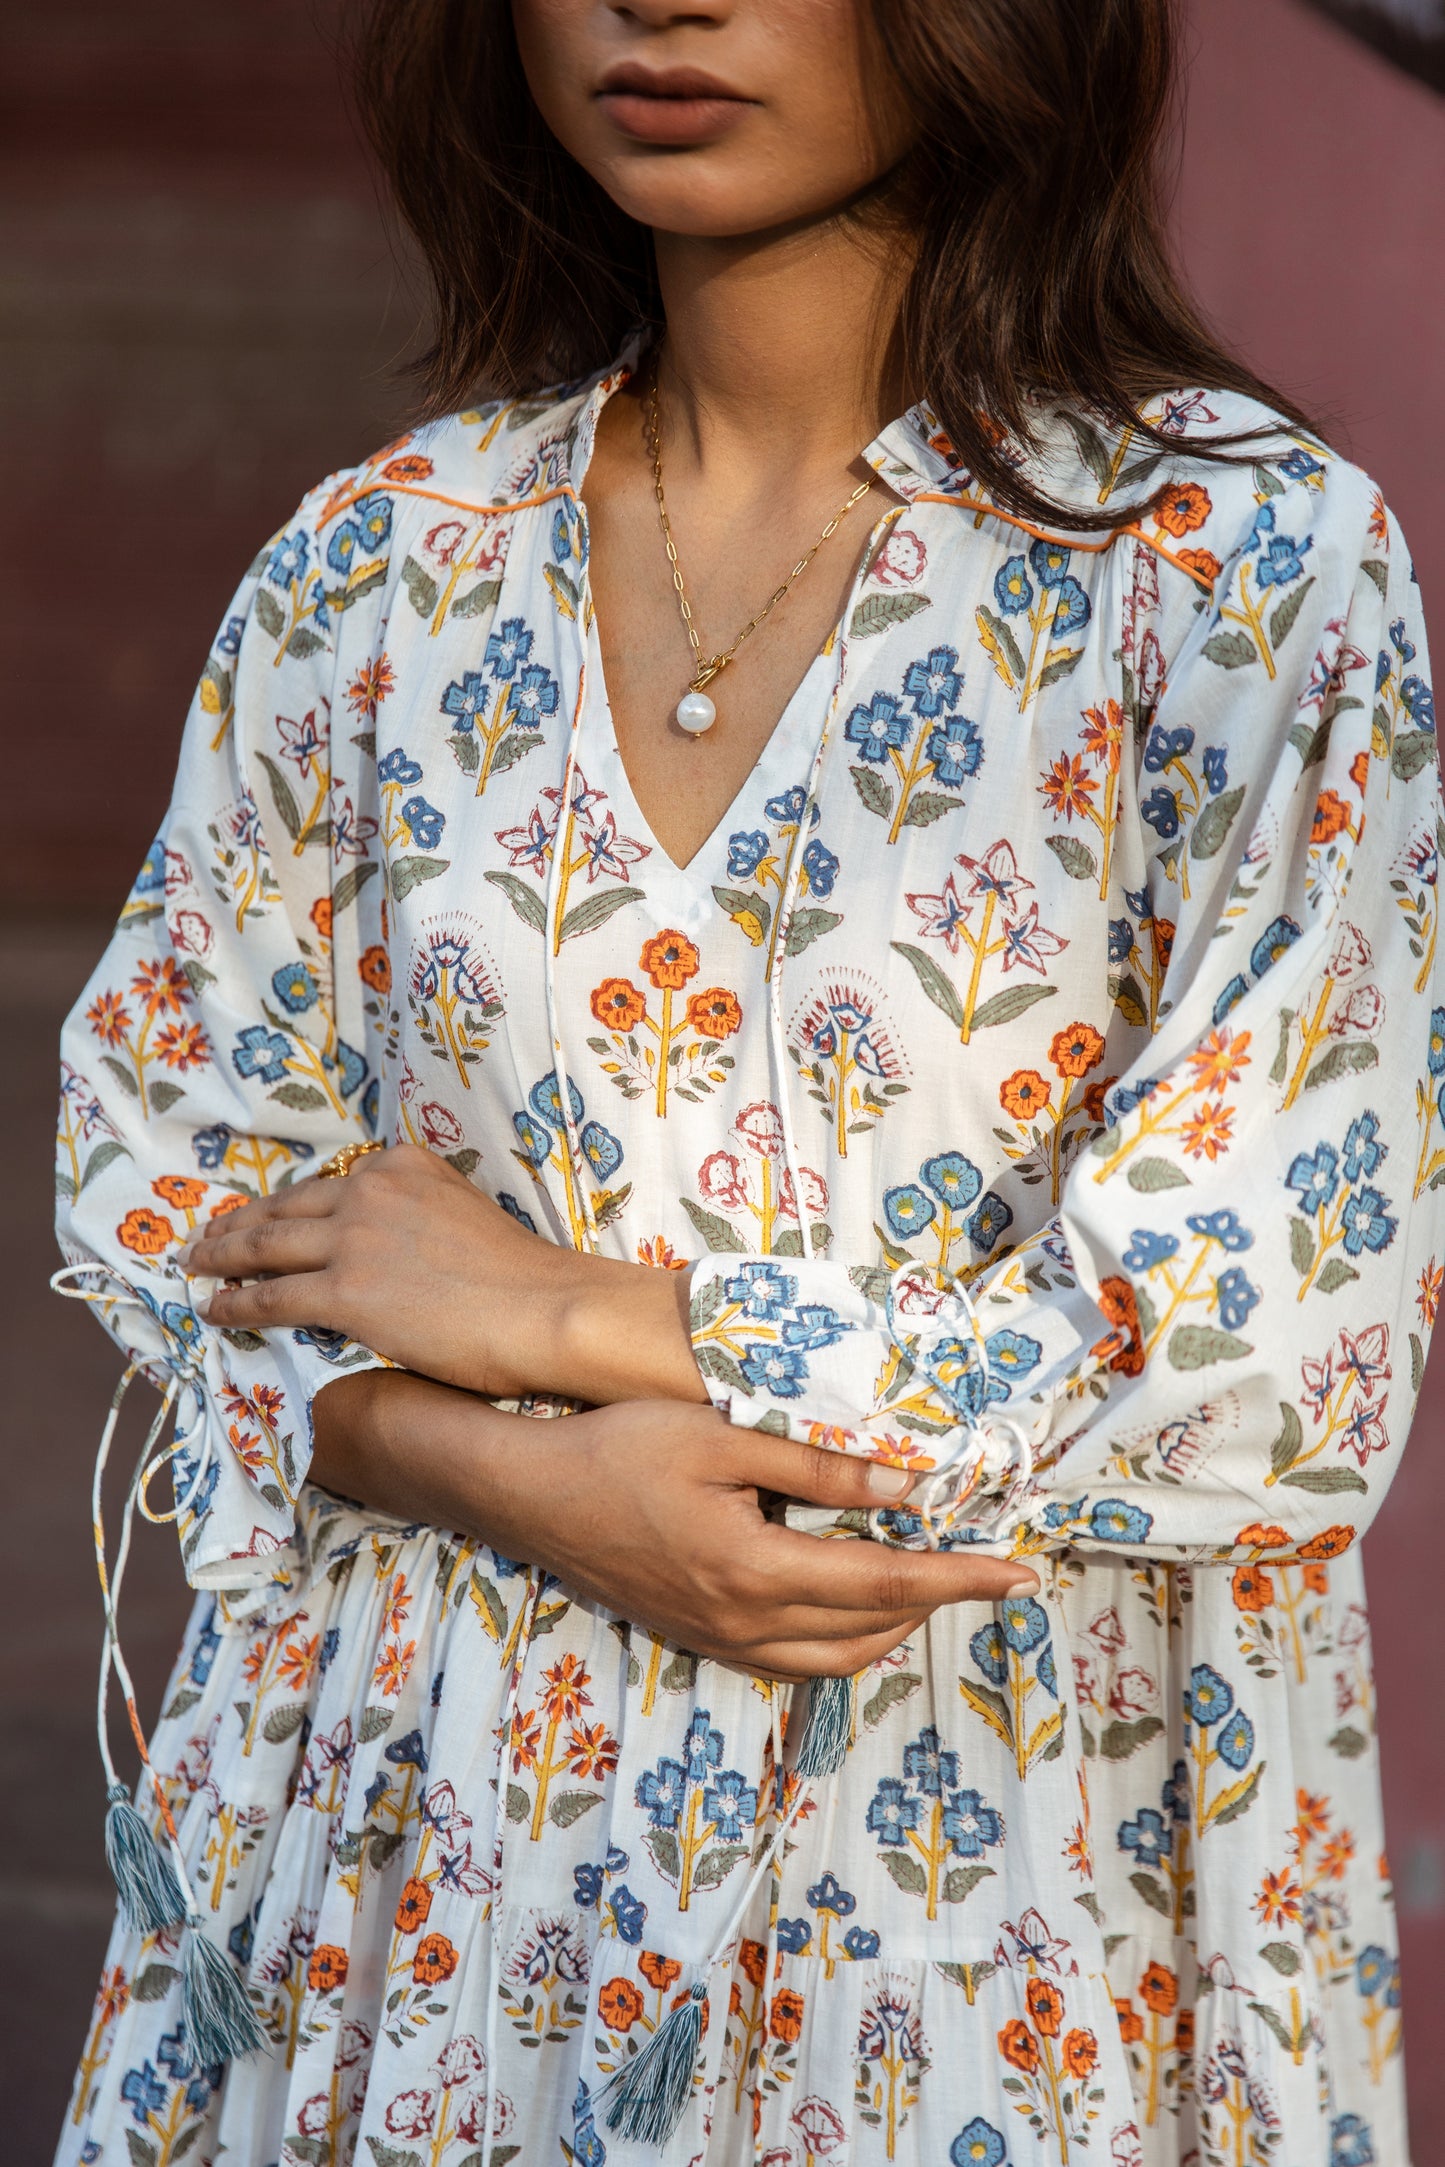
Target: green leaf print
x=1214, y=823
x=350, y=885
x=961, y=1881
x=1287, y=1446
x=528, y=903
x=807, y=926
x=1149, y=1176
x=906, y=1872
x=874, y=792
x=1325, y=1481
x=1342, y=1061
x=569, y=1806
x=1005, y=1006
x=939, y=989
x=1281, y=624
x=421, y=588
x=286, y=805
x=595, y=910
x=878, y=611
x=926, y=806
x=1195, y=1346
x=1076, y=858
x=477, y=600
x=1335, y=1274
x=409, y=873
x=1231, y=650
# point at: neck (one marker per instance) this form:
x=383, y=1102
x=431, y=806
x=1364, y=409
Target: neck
x=783, y=345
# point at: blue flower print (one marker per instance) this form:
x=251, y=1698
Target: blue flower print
x=143, y=2092
x=1023, y=1623
x=786, y=809
x=1110, y=1520
x=780, y=1371
x=928, y=1766
x=821, y=867
x=1280, y=555
x=879, y=728
x=347, y=1066
x=1207, y=1697
x=1175, y=1794
x=811, y=1326
x=1164, y=746
x=173, y=2058
x=908, y=1211
x=260, y=1053
x=588, y=2150
x=1073, y=609
x=829, y=1895
x=702, y=1746
x=1147, y=1837
x=1147, y=1251
x=934, y=685
x=534, y=694
x=629, y=1915
x=345, y=541
x=1383, y=668
x=204, y=1649
x=397, y=768
x=1161, y=810
x=892, y=1811
x=1235, y=1743
x=588, y=1882
x=1224, y=1227
x=1012, y=588
x=1314, y=1176
x=761, y=1291
x=1351, y=2142
x=952, y=1178
x=1435, y=1053
x=151, y=879
x=746, y=852
x=507, y=648
x=1300, y=465
x=514, y=1210
x=228, y=642
x=1403, y=645
x=408, y=1752
x=1419, y=702
x=1367, y=1223
x=545, y=1100
x=1231, y=997
x=989, y=1221
x=424, y=821
x=465, y=699
x=978, y=2144
x=1121, y=940
x=987, y=1650
x=969, y=1825
x=662, y=1793
x=1046, y=1670
x=731, y=1804
x=289, y=558
x=535, y=1140
x=1362, y=1153
x=373, y=516
x=601, y=1149
x=1372, y=1969
x=1049, y=562
x=793, y=1936
x=861, y=1942
x=1278, y=937
x=1216, y=768
x=1236, y=1296
x=1009, y=1354
x=955, y=749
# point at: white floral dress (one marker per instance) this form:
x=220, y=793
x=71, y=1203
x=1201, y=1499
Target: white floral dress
x=1039, y=1071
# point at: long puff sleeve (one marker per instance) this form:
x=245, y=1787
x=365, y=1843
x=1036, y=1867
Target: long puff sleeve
x=1215, y=1346
x=221, y=1048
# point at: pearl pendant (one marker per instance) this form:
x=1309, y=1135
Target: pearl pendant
x=695, y=713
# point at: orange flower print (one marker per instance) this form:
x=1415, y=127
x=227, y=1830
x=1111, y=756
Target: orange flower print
x=1359, y=771
x=234, y=1202
x=660, y=1254
x=183, y=1046
x=327, y=1968
x=321, y=916
x=1081, y=2052
x=1331, y=816
x=1312, y=1814
x=660, y=1971
x=1046, y=2007
x=181, y=1191
x=1164, y=944
x=1316, y=1577
x=375, y=969
x=752, y=1961
x=620, y=2005
x=1068, y=787
x=297, y=1663
x=1336, y=1855
x=393, y=1666
x=1252, y=1588
x=1259, y=1537
x=564, y=1689
x=714, y=1014
x=1076, y=1050
x=1018, y=2045
x=669, y=960
x=145, y=1232
x=370, y=687
x=109, y=1018
x=1208, y=1132
x=1202, y=561
x=163, y=987
x=413, y=1906
x=1131, y=2024
x=1158, y=1989
x=785, y=2020
x=1280, y=1899
x=1184, y=2031
x=1183, y=508
x=1123, y=1349
x=618, y=1005
x=412, y=468
x=592, y=1750
x=1220, y=1060
x=1104, y=733
x=1332, y=1543
x=435, y=1960
x=1427, y=1298
x=1024, y=1094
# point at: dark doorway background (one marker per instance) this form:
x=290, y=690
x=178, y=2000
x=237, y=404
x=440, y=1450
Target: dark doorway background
x=201, y=315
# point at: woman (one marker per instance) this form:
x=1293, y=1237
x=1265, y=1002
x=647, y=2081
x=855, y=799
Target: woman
x=955, y=1053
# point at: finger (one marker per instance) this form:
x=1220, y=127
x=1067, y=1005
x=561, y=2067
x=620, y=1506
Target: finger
x=795, y=1660
x=878, y=1576
x=265, y=1245
x=301, y=1299
x=843, y=1480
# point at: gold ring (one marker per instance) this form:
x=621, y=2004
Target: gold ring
x=342, y=1161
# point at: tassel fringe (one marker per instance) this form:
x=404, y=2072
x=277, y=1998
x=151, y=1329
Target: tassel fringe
x=827, y=1728
x=650, y=2093
x=216, y=2016
x=145, y=1880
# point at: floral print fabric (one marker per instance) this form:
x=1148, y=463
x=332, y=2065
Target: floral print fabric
x=1040, y=1071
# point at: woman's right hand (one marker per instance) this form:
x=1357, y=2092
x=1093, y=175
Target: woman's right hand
x=654, y=1510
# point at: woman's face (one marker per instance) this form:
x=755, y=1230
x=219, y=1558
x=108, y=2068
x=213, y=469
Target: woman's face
x=719, y=117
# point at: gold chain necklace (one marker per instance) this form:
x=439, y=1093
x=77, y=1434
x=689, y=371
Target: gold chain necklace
x=695, y=711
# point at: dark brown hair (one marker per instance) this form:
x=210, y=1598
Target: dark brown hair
x=1035, y=189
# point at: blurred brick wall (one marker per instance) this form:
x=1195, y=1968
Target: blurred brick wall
x=200, y=314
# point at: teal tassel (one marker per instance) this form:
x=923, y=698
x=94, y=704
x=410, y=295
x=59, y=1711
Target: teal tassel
x=827, y=1727
x=145, y=1880
x=650, y=2092
x=216, y=2016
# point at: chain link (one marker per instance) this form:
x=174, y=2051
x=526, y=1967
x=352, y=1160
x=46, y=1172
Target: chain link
x=708, y=670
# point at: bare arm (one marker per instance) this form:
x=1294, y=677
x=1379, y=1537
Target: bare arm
x=655, y=1511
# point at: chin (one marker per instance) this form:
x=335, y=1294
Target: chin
x=673, y=196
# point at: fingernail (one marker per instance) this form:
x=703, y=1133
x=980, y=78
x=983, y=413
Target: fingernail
x=1024, y=1585
x=183, y=1254
x=889, y=1482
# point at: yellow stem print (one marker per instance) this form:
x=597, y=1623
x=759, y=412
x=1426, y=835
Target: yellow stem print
x=1116, y=466
x=1328, y=1226
x=1249, y=615
x=1051, y=2068
x=654, y=1665
x=1311, y=1035
x=664, y=1032
x=981, y=953
x=1177, y=1297
x=784, y=880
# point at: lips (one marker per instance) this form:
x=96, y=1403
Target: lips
x=670, y=106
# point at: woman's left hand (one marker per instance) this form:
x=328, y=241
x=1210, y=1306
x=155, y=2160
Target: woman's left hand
x=405, y=1256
